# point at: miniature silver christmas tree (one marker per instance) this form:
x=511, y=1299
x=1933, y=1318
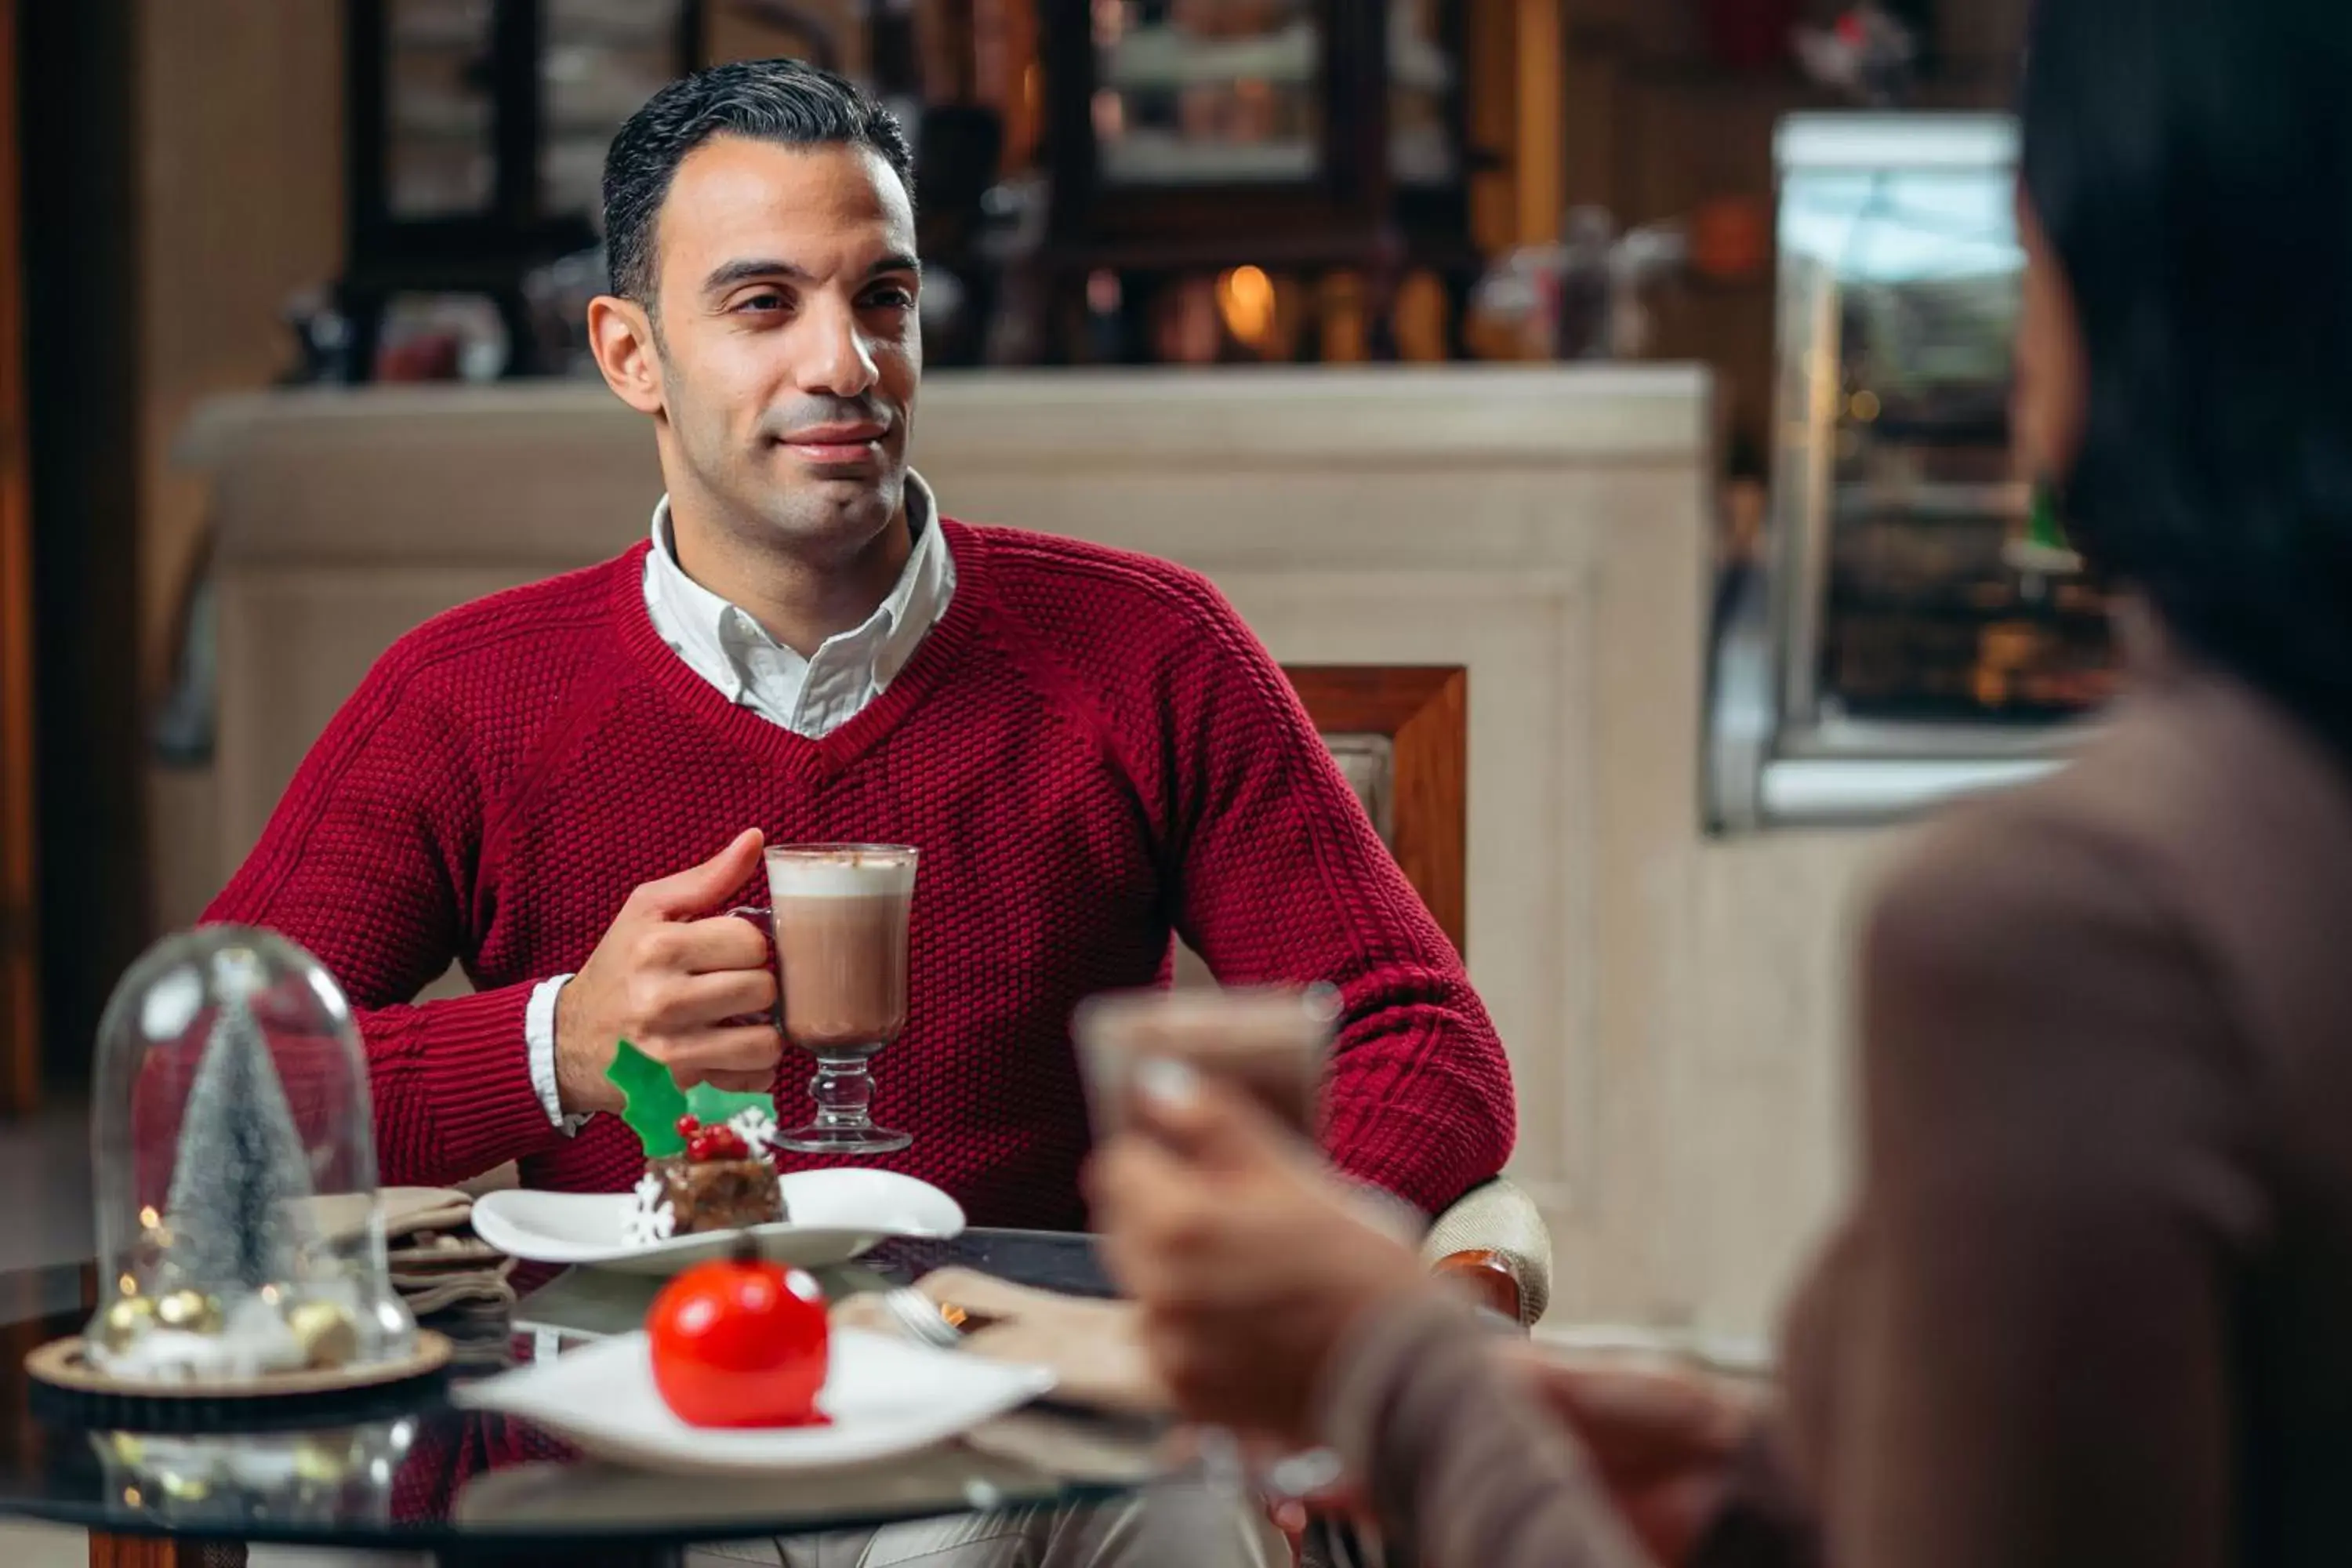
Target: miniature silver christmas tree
x=240, y=1231
x=240, y=1168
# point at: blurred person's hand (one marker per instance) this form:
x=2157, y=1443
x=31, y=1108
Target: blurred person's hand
x=1662, y=1441
x=670, y=979
x=1250, y=1262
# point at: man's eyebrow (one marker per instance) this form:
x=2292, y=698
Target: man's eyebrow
x=726, y=275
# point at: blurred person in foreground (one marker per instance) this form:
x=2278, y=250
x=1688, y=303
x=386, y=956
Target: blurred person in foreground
x=2093, y=1300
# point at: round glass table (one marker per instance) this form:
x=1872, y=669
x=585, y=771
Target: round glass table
x=408, y=1472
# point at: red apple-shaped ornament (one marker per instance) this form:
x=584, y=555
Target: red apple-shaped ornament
x=742, y=1342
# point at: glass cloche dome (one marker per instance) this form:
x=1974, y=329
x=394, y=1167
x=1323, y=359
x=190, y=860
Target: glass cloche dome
x=240, y=1234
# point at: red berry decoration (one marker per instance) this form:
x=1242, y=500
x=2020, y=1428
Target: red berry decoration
x=687, y=1126
x=741, y=1343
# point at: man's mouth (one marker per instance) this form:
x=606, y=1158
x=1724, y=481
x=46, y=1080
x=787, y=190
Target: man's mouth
x=846, y=444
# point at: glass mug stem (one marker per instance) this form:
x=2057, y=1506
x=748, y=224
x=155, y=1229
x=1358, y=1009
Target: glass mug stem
x=843, y=1092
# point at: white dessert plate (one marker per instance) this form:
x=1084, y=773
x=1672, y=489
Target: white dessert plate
x=885, y=1396
x=836, y=1216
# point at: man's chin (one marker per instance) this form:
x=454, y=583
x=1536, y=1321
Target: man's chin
x=841, y=512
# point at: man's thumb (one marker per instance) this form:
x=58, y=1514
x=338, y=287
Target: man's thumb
x=699, y=889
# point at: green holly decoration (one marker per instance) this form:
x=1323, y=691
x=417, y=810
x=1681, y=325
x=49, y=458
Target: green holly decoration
x=714, y=1107
x=2043, y=528
x=651, y=1101
x=2044, y=550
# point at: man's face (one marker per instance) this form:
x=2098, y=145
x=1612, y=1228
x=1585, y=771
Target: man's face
x=789, y=347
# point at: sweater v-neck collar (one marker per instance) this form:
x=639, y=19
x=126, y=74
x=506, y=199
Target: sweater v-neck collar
x=769, y=743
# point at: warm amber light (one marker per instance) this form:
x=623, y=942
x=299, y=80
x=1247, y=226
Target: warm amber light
x=1245, y=299
x=1865, y=407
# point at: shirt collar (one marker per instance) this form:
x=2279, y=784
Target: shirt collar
x=715, y=635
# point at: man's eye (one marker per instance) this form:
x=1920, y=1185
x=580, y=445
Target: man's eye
x=766, y=300
x=894, y=296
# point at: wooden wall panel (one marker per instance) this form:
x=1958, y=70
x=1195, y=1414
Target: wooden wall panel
x=20, y=1030
x=241, y=203
x=1542, y=136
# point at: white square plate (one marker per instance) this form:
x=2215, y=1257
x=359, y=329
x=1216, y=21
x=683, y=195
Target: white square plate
x=836, y=1216
x=886, y=1396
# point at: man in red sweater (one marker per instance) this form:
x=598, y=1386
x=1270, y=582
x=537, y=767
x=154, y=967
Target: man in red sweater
x=565, y=785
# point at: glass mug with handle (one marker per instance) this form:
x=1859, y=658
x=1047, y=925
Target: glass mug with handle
x=837, y=917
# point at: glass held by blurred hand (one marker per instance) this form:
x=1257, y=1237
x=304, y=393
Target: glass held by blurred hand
x=1271, y=1042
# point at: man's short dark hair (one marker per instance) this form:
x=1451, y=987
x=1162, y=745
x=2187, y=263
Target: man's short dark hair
x=783, y=100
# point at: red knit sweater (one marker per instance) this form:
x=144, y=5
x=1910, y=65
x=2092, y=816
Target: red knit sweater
x=1090, y=750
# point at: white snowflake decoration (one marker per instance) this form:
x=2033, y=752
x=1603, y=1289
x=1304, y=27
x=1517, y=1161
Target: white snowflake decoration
x=649, y=1219
x=758, y=1131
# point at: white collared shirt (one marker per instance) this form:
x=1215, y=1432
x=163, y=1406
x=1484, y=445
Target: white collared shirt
x=810, y=696
x=816, y=695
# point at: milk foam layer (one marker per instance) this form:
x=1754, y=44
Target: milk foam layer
x=843, y=876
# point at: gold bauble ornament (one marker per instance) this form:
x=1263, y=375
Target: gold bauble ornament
x=319, y=1461
x=191, y=1311
x=328, y=1333
x=125, y=1319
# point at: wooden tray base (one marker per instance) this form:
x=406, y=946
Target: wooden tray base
x=61, y=1364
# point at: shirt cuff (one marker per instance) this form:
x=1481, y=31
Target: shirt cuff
x=539, y=1040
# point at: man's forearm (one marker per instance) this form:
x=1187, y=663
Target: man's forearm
x=1404, y=1110
x=452, y=1086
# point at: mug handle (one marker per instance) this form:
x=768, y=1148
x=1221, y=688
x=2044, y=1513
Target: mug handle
x=764, y=919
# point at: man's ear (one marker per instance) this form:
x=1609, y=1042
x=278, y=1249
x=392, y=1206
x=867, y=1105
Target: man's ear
x=622, y=335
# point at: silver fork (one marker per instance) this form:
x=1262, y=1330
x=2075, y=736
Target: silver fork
x=923, y=1318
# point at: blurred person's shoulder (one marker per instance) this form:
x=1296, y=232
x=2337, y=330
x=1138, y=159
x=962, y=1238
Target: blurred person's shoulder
x=2193, y=815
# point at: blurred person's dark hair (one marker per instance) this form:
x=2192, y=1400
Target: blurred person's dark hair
x=783, y=100
x=2191, y=164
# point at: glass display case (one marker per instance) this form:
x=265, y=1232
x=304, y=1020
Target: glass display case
x=1919, y=629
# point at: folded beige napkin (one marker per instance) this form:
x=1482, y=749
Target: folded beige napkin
x=1094, y=1348
x=436, y=1262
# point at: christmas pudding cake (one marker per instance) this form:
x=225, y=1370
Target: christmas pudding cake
x=710, y=1154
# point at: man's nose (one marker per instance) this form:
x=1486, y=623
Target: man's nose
x=836, y=360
